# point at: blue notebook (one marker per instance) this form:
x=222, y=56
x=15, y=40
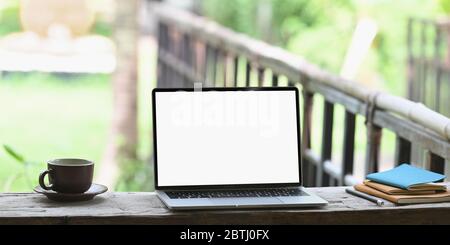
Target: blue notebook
x=405, y=176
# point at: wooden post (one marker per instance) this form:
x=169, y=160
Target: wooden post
x=327, y=142
x=171, y=47
x=248, y=70
x=373, y=136
x=373, y=148
x=260, y=76
x=309, y=168
x=434, y=162
x=186, y=51
x=226, y=65
x=236, y=70
x=195, y=57
x=161, y=66
x=176, y=48
x=274, y=79
x=206, y=65
x=214, y=61
x=218, y=76
x=402, y=151
x=166, y=47
x=348, y=146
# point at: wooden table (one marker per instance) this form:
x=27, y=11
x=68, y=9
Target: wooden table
x=145, y=208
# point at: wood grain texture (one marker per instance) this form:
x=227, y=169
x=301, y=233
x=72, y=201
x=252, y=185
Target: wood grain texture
x=145, y=208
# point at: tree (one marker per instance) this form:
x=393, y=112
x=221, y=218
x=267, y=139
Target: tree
x=122, y=142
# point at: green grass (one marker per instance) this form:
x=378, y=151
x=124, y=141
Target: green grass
x=9, y=17
x=45, y=116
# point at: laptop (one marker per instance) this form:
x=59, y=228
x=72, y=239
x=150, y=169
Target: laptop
x=219, y=148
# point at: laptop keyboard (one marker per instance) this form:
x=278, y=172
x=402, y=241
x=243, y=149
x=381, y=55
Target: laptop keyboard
x=235, y=193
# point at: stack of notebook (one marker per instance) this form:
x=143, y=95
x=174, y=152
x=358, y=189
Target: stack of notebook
x=406, y=184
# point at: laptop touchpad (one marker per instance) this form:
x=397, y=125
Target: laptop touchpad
x=245, y=201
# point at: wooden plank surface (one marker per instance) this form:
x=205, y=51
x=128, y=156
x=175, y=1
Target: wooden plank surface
x=145, y=208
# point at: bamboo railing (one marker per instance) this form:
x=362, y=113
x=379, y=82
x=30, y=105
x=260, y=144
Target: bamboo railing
x=193, y=49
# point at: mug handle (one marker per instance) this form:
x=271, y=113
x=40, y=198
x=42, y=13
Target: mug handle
x=41, y=180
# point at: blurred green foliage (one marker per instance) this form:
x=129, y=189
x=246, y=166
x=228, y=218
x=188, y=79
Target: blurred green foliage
x=135, y=175
x=24, y=173
x=103, y=28
x=445, y=6
x=9, y=16
x=321, y=30
x=302, y=26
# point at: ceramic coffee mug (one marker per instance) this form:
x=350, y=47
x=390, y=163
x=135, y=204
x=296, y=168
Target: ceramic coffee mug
x=68, y=175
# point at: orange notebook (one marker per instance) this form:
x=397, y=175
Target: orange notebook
x=391, y=190
x=443, y=196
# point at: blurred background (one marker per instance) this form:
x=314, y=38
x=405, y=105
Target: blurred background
x=76, y=75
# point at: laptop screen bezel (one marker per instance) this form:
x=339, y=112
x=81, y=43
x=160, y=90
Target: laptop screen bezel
x=231, y=186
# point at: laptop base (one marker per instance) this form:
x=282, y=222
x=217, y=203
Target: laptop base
x=305, y=200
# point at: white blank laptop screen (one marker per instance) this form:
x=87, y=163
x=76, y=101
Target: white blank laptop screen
x=226, y=138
